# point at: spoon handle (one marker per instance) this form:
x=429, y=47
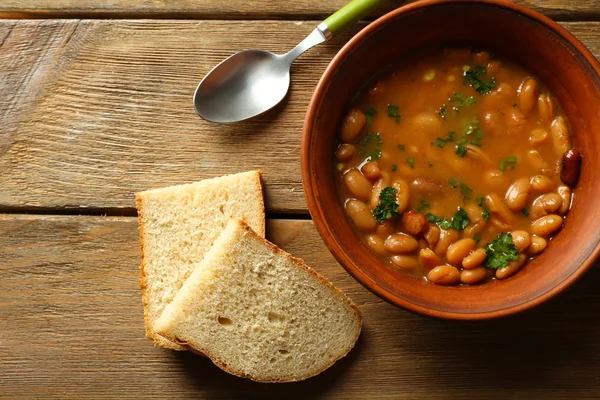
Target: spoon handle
x=350, y=14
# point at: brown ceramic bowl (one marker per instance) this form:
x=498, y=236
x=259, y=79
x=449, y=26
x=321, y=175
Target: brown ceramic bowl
x=553, y=54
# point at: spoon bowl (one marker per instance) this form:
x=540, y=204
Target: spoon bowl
x=243, y=86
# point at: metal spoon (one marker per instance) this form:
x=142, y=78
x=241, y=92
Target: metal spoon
x=253, y=81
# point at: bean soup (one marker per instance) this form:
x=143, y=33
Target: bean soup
x=456, y=166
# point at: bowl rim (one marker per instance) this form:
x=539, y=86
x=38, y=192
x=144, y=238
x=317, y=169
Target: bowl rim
x=308, y=181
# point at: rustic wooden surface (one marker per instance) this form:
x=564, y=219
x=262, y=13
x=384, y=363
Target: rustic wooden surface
x=72, y=327
x=93, y=110
x=97, y=110
x=241, y=9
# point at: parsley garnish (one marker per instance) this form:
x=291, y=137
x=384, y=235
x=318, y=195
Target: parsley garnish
x=387, y=207
x=485, y=213
x=370, y=145
x=461, y=150
x=460, y=101
x=439, y=142
x=509, y=160
x=394, y=167
x=424, y=205
x=375, y=154
x=410, y=161
x=501, y=251
x=442, y=112
x=465, y=190
x=401, y=147
x=451, y=136
x=434, y=219
x=369, y=114
x=392, y=111
x=459, y=222
x=473, y=129
x=477, y=237
x=454, y=182
x=475, y=75
x=525, y=212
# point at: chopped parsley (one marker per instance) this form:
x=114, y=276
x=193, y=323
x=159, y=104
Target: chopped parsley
x=461, y=150
x=369, y=114
x=475, y=143
x=525, y=212
x=477, y=238
x=371, y=137
x=410, y=161
x=473, y=129
x=475, y=75
x=512, y=160
x=388, y=206
x=394, y=167
x=465, y=190
x=401, y=147
x=434, y=219
x=439, y=142
x=451, y=136
x=424, y=205
x=501, y=251
x=442, y=111
x=454, y=182
x=375, y=155
x=485, y=213
x=392, y=111
x=460, y=101
x=459, y=222
x=370, y=146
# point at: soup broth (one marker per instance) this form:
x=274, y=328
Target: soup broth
x=449, y=166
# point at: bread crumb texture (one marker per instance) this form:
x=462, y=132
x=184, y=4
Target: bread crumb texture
x=260, y=313
x=179, y=224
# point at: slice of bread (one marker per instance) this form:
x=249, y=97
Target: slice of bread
x=259, y=313
x=179, y=224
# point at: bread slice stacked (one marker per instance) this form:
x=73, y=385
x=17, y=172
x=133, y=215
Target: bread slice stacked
x=179, y=224
x=212, y=283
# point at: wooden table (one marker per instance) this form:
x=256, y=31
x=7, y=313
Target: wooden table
x=95, y=104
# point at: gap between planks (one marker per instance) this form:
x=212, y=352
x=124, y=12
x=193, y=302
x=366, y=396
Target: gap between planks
x=122, y=212
x=562, y=10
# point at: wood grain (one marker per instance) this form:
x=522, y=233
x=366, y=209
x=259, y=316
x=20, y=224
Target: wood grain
x=100, y=109
x=72, y=327
x=257, y=9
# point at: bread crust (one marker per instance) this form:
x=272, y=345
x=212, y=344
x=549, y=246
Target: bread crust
x=286, y=379
x=262, y=200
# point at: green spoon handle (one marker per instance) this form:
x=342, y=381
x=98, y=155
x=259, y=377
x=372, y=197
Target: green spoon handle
x=350, y=14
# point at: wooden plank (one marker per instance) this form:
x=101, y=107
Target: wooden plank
x=100, y=109
x=230, y=9
x=72, y=327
